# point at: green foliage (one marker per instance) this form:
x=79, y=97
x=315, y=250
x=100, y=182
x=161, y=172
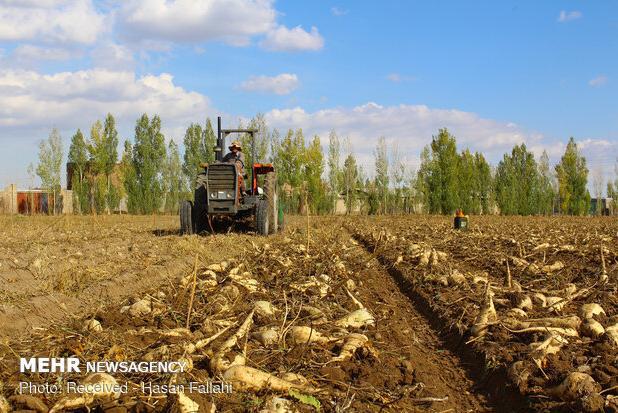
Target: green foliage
x=546, y=186
x=210, y=141
x=129, y=179
x=199, y=146
x=110, y=146
x=112, y=196
x=421, y=188
x=447, y=181
x=381, y=169
x=484, y=182
x=305, y=399
x=397, y=174
x=81, y=194
x=50, y=165
x=468, y=185
x=103, y=150
x=313, y=170
x=174, y=183
x=148, y=160
x=517, y=183
x=572, y=175
x=443, y=177
x=78, y=155
x=438, y=179
x=350, y=180
x=334, y=168
x=100, y=193
x=262, y=137
x=194, y=152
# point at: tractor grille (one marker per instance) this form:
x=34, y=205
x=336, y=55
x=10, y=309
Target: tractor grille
x=221, y=177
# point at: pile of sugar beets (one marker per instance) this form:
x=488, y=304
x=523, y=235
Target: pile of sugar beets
x=556, y=345
x=260, y=322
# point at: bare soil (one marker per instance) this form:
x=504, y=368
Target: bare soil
x=416, y=355
x=54, y=269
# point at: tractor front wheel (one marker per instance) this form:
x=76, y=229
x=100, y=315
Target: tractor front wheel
x=262, y=217
x=186, y=218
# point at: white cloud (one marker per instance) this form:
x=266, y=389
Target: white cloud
x=282, y=84
x=598, y=81
x=112, y=56
x=50, y=21
x=411, y=126
x=295, y=39
x=567, y=16
x=398, y=78
x=234, y=21
x=28, y=52
x=338, y=11
x=32, y=100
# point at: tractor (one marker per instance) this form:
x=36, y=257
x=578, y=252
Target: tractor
x=219, y=193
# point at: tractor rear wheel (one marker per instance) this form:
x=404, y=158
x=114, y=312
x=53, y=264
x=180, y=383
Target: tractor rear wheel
x=186, y=218
x=271, y=196
x=262, y=217
x=200, y=204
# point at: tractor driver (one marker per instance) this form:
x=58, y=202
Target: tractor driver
x=236, y=157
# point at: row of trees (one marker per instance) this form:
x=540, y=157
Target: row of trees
x=151, y=175
x=93, y=161
x=519, y=185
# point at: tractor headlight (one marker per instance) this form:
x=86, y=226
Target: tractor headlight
x=213, y=194
x=229, y=195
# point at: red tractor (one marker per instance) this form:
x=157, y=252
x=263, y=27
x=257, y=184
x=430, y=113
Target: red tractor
x=219, y=192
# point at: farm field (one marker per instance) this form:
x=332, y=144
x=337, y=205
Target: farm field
x=335, y=314
x=54, y=268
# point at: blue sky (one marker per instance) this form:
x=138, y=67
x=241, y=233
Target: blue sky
x=495, y=73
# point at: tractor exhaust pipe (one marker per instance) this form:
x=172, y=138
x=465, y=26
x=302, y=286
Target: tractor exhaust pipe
x=220, y=144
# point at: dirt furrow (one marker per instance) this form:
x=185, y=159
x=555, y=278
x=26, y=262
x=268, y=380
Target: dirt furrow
x=442, y=372
x=443, y=350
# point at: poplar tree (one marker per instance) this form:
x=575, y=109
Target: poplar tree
x=439, y=172
x=129, y=179
x=572, y=175
x=209, y=139
x=468, y=188
x=612, y=189
x=258, y=123
x=110, y=150
x=350, y=178
x=546, y=187
x=148, y=160
x=334, y=169
x=173, y=178
x=381, y=178
x=423, y=176
x=517, y=183
x=194, y=152
x=313, y=161
x=484, y=181
x=98, y=162
x=397, y=170
x=50, y=165
x=78, y=156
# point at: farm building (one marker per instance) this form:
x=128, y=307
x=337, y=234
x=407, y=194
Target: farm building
x=34, y=201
